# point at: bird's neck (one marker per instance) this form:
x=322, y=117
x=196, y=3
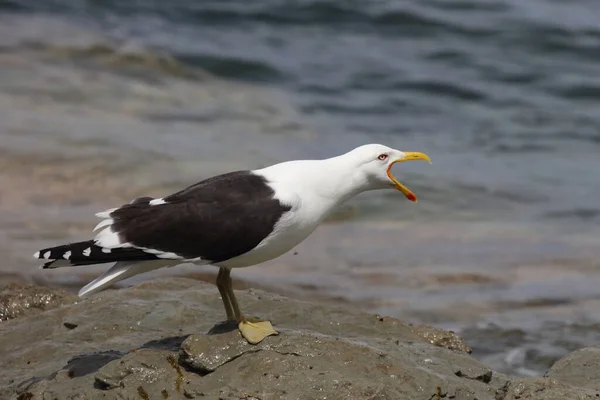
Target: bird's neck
x=341, y=182
x=329, y=182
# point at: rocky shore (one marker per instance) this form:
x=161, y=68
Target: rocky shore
x=158, y=340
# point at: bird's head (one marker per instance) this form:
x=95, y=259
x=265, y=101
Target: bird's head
x=376, y=161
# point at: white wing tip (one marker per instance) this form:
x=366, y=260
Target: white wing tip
x=36, y=255
x=105, y=213
x=103, y=223
x=91, y=287
x=157, y=202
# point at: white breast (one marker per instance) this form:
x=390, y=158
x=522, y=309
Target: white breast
x=309, y=207
x=293, y=227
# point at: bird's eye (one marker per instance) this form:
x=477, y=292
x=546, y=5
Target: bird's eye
x=382, y=157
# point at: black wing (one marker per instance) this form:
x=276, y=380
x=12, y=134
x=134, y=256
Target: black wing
x=217, y=219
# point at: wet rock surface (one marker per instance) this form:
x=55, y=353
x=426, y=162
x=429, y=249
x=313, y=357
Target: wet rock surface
x=158, y=340
x=18, y=299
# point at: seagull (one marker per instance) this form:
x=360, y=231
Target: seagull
x=233, y=220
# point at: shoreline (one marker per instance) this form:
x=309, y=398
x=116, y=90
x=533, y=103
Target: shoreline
x=156, y=342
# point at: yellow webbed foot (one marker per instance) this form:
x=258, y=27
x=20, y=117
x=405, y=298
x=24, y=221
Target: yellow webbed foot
x=255, y=331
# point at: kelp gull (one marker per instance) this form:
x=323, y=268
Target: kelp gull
x=233, y=220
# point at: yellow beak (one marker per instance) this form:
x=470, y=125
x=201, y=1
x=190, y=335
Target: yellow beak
x=408, y=156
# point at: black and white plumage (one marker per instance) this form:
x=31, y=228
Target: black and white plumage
x=233, y=220
x=198, y=224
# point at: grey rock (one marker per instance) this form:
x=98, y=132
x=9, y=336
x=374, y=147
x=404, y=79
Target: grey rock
x=543, y=389
x=206, y=353
x=479, y=374
x=309, y=366
x=157, y=340
x=442, y=338
x=580, y=368
x=18, y=299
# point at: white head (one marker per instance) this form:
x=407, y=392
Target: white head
x=373, y=164
x=339, y=178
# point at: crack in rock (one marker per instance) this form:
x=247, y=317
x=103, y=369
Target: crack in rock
x=485, y=376
x=206, y=353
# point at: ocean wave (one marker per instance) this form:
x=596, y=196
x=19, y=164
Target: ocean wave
x=338, y=15
x=585, y=214
x=108, y=55
x=469, y=5
x=235, y=68
x=10, y=5
x=523, y=148
x=589, y=91
x=416, y=19
x=181, y=65
x=552, y=38
x=447, y=89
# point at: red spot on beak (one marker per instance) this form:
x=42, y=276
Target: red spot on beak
x=411, y=197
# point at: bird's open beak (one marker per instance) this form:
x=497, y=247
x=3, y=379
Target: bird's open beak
x=408, y=156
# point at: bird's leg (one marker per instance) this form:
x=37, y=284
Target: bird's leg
x=222, y=282
x=254, y=331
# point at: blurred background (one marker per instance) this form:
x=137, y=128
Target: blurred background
x=104, y=101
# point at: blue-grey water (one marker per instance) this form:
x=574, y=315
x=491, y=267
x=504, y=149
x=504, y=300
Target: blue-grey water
x=103, y=101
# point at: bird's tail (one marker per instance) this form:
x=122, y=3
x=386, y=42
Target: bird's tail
x=88, y=253
x=130, y=262
x=121, y=270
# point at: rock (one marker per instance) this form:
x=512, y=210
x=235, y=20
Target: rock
x=580, y=368
x=542, y=389
x=157, y=340
x=206, y=353
x=442, y=338
x=18, y=299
